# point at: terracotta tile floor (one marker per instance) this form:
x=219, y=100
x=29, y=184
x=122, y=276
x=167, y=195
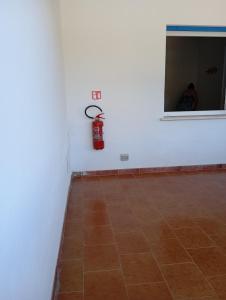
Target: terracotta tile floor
x=147, y=237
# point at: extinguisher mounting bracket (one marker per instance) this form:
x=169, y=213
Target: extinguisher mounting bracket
x=92, y=106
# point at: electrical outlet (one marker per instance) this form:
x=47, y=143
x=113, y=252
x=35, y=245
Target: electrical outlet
x=124, y=157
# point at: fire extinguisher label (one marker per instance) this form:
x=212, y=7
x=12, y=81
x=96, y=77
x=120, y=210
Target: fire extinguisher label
x=96, y=134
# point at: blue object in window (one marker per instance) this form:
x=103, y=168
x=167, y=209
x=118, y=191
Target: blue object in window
x=196, y=28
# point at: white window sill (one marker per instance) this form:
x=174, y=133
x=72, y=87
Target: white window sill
x=194, y=115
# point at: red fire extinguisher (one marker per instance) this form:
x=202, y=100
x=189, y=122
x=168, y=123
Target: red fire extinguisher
x=97, y=128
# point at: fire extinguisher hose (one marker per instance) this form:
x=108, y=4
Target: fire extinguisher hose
x=92, y=106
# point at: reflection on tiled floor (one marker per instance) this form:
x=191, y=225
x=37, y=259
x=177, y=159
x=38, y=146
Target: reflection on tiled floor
x=147, y=237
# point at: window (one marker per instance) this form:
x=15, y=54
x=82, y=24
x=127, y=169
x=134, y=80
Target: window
x=195, y=77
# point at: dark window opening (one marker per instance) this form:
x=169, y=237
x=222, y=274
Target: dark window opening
x=195, y=73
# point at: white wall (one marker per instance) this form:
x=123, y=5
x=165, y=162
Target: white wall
x=119, y=47
x=33, y=171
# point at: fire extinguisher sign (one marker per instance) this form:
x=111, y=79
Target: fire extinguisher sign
x=96, y=95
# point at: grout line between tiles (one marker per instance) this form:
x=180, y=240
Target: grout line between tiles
x=159, y=267
x=102, y=270
x=216, y=246
x=157, y=263
x=145, y=282
x=192, y=261
x=119, y=258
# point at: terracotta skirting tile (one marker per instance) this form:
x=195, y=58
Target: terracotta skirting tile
x=128, y=171
x=107, y=172
x=153, y=170
x=101, y=173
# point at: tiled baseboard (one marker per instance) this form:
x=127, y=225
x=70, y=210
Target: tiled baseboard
x=157, y=170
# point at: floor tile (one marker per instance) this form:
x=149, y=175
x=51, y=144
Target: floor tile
x=71, y=276
x=101, y=258
x=177, y=222
x=219, y=285
x=169, y=251
x=211, y=226
x=74, y=212
x=140, y=268
x=186, y=281
x=96, y=218
x=199, y=298
x=92, y=194
x=119, y=209
x=95, y=206
x=112, y=198
x=152, y=291
x=73, y=229
x=70, y=296
x=124, y=223
x=193, y=237
x=135, y=217
x=220, y=240
x=211, y=261
x=98, y=235
x=72, y=248
x=156, y=231
x=107, y=285
x=170, y=207
x=146, y=215
x=141, y=201
x=131, y=242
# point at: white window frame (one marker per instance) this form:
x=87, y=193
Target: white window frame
x=203, y=114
